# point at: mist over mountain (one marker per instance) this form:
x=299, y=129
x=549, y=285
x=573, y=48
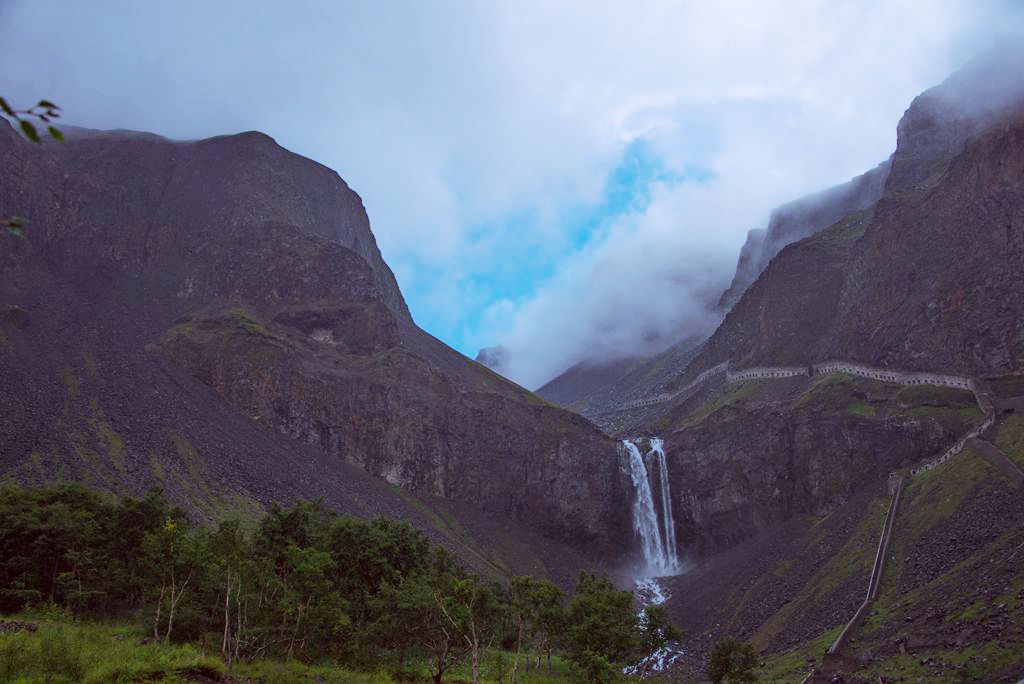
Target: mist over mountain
x=608, y=155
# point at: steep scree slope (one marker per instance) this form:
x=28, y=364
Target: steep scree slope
x=179, y=307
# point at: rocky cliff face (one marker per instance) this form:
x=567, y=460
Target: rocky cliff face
x=929, y=276
x=495, y=358
x=166, y=285
x=746, y=457
x=799, y=219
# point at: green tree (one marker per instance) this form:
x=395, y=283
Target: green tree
x=233, y=570
x=732, y=661
x=126, y=528
x=601, y=622
x=472, y=610
x=538, y=615
x=657, y=628
x=68, y=545
x=306, y=584
x=313, y=611
x=407, y=622
x=174, y=557
x=444, y=613
x=368, y=555
x=299, y=607
x=595, y=668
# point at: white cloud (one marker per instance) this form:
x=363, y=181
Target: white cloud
x=448, y=118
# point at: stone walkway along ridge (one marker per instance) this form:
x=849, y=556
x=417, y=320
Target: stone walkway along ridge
x=844, y=367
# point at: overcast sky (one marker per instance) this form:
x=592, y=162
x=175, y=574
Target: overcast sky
x=570, y=179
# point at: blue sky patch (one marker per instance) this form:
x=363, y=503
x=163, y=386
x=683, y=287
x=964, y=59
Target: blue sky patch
x=517, y=267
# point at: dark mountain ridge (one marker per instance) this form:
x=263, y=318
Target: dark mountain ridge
x=214, y=316
x=929, y=276
x=798, y=219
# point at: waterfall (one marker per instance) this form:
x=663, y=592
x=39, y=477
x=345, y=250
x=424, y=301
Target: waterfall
x=657, y=540
x=668, y=522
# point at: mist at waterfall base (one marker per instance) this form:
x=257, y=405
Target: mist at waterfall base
x=658, y=543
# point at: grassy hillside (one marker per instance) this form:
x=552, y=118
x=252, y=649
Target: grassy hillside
x=792, y=586
x=951, y=603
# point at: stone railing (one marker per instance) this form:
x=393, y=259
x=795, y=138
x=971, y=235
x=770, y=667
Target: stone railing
x=957, y=447
x=692, y=386
x=845, y=367
x=875, y=580
x=767, y=372
x=899, y=377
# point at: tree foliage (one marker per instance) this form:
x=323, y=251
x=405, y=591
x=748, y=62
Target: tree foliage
x=301, y=583
x=602, y=621
x=732, y=661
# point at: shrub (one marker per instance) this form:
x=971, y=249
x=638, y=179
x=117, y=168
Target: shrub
x=594, y=668
x=732, y=661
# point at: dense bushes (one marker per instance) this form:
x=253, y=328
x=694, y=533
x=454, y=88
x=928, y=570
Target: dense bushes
x=73, y=547
x=301, y=583
x=732, y=661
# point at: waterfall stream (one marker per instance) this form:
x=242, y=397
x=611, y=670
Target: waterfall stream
x=657, y=537
x=668, y=522
x=657, y=542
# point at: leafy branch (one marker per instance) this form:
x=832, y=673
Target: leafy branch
x=44, y=112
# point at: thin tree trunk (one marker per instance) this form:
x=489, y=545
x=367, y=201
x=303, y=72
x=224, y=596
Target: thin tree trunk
x=159, y=605
x=170, y=607
x=476, y=661
x=441, y=663
x=53, y=578
x=239, y=622
x=474, y=646
x=225, y=641
x=519, y=648
x=170, y=618
x=175, y=598
x=295, y=632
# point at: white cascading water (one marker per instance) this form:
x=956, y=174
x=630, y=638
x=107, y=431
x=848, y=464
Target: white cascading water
x=650, y=593
x=658, y=543
x=667, y=520
x=645, y=520
x=660, y=552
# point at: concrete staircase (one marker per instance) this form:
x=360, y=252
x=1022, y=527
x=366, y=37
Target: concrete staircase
x=834, y=652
